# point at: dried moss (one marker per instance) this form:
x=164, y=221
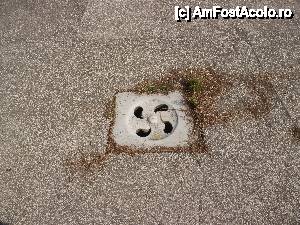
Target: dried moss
x=201, y=88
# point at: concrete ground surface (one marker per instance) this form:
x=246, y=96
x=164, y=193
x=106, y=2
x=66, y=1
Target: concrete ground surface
x=62, y=62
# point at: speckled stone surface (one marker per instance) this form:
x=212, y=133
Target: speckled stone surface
x=61, y=63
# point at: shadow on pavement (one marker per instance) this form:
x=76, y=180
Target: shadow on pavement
x=1, y=223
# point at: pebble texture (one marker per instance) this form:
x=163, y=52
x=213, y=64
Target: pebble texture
x=61, y=63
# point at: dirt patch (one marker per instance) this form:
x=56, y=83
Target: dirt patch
x=201, y=89
x=296, y=132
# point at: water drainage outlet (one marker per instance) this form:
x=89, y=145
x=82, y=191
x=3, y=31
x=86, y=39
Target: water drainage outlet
x=151, y=120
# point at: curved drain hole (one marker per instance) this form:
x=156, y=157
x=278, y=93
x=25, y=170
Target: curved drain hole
x=162, y=107
x=143, y=133
x=168, y=127
x=138, y=112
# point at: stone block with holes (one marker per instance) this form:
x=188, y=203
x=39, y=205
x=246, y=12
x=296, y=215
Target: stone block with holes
x=154, y=120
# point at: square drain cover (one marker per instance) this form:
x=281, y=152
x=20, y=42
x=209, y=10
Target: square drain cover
x=152, y=120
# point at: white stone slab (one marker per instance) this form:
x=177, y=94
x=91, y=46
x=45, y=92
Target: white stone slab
x=152, y=120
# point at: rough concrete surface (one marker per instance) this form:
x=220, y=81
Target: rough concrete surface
x=62, y=62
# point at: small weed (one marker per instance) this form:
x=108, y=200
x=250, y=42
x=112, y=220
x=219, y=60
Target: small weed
x=154, y=88
x=194, y=85
x=193, y=102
